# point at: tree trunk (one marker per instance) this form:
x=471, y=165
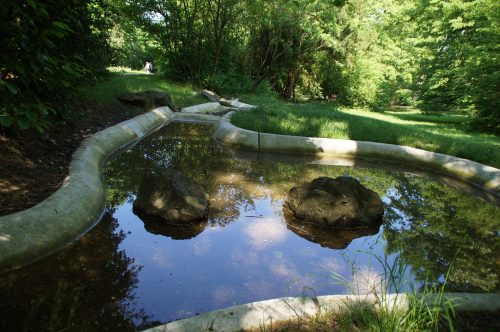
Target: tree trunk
x=289, y=92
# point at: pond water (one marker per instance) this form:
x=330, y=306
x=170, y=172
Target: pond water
x=126, y=274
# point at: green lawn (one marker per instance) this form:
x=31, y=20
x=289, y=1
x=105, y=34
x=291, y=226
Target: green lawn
x=443, y=134
x=126, y=80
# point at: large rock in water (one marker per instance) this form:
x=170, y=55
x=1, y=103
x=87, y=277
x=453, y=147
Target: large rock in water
x=342, y=202
x=148, y=98
x=172, y=197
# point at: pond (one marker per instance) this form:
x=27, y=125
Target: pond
x=128, y=274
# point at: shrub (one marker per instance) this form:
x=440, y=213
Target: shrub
x=48, y=48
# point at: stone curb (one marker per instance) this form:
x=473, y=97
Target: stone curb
x=256, y=316
x=74, y=208
x=228, y=134
x=204, y=108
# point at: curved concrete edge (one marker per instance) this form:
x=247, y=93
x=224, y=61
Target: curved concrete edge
x=257, y=315
x=230, y=135
x=205, y=108
x=237, y=104
x=196, y=118
x=72, y=210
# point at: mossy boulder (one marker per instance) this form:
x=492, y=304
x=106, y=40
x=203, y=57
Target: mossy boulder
x=168, y=195
x=342, y=203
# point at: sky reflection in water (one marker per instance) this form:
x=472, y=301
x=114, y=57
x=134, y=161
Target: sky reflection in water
x=247, y=253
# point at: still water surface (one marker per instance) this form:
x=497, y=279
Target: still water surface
x=127, y=274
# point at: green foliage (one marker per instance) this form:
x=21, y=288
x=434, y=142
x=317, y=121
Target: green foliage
x=132, y=47
x=227, y=82
x=459, y=63
x=373, y=54
x=47, y=48
x=438, y=55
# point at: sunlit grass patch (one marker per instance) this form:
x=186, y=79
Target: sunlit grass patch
x=124, y=80
x=417, y=115
x=443, y=134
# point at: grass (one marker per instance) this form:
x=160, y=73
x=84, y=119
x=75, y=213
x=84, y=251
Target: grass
x=437, y=133
x=416, y=115
x=123, y=80
x=444, y=134
x=427, y=309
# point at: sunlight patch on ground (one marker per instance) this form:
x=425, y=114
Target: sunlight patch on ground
x=5, y=237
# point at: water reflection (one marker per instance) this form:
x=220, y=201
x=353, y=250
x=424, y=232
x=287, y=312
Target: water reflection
x=422, y=211
x=86, y=287
x=333, y=238
x=451, y=231
x=175, y=232
x=129, y=272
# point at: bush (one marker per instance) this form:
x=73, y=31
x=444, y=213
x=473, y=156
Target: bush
x=48, y=48
x=230, y=83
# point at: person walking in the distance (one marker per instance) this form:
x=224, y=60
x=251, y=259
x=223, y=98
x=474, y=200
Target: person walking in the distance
x=148, y=68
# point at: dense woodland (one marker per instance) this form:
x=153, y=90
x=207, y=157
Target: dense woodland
x=440, y=56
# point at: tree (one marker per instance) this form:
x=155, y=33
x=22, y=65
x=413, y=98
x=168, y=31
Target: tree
x=459, y=69
x=48, y=48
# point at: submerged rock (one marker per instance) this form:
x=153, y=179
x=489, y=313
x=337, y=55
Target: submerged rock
x=342, y=203
x=170, y=196
x=151, y=98
x=333, y=238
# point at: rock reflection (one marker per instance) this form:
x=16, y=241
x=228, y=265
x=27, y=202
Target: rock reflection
x=166, y=193
x=337, y=238
x=175, y=232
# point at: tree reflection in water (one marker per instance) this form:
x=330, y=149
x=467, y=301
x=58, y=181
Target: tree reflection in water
x=88, y=286
x=436, y=229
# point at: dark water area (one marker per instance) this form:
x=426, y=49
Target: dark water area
x=127, y=274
